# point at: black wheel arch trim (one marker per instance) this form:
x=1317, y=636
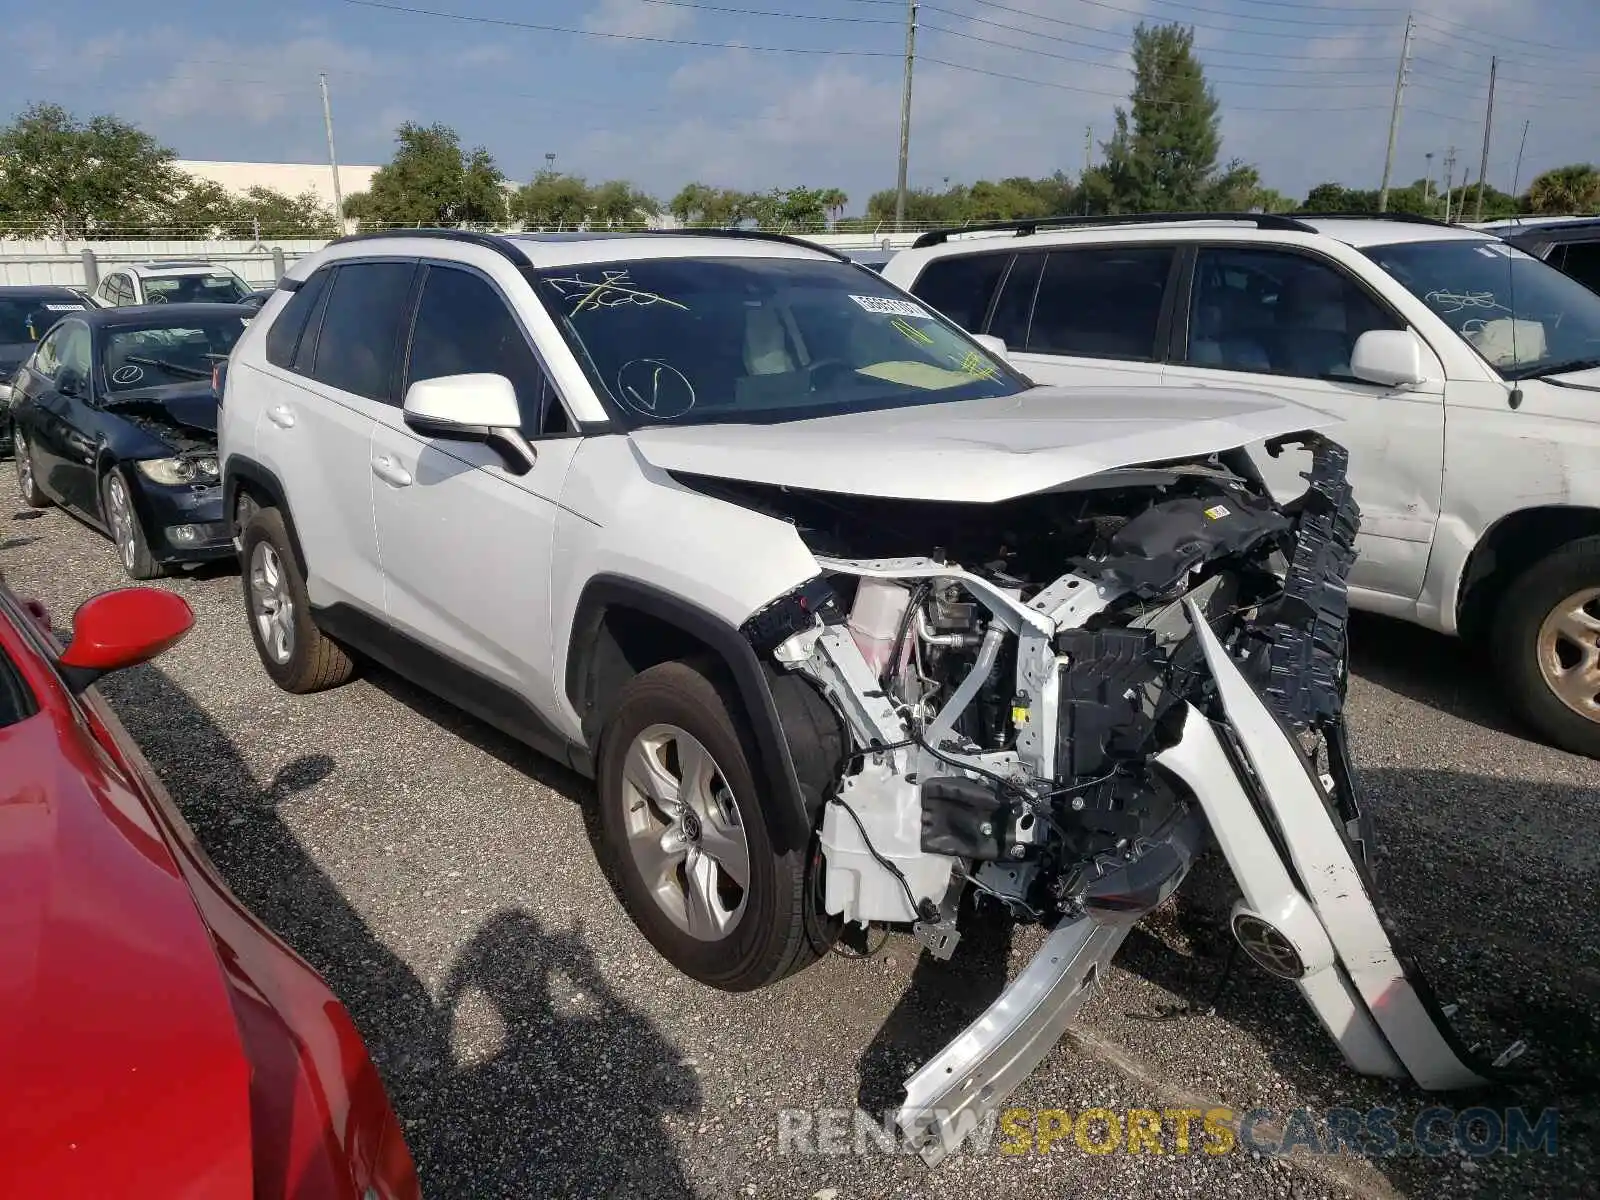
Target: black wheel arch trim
x=245, y=470
x=789, y=817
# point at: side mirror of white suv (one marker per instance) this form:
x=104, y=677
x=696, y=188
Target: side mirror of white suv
x=1391, y=357
x=471, y=408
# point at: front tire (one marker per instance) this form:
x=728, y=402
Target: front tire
x=127, y=531
x=686, y=837
x=298, y=656
x=1546, y=646
x=27, y=480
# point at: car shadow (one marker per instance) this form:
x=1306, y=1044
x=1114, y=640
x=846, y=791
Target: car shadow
x=526, y=1076
x=1444, y=673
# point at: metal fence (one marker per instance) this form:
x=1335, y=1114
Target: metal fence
x=83, y=263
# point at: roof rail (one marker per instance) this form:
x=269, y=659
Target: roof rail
x=1403, y=217
x=1031, y=225
x=489, y=241
x=762, y=235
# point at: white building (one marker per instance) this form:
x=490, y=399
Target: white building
x=292, y=179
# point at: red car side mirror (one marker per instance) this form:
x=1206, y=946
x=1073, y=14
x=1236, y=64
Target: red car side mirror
x=121, y=629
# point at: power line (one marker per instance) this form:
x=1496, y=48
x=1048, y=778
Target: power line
x=1125, y=46
x=791, y=16
x=1124, y=96
x=1105, y=66
x=508, y=23
x=1144, y=14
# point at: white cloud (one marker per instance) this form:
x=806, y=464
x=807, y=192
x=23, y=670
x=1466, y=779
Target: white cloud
x=637, y=18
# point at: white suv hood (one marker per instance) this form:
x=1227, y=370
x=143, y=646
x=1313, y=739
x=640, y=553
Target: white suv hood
x=980, y=451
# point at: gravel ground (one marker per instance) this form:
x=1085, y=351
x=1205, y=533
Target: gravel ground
x=442, y=878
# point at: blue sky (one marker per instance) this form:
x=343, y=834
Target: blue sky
x=1305, y=87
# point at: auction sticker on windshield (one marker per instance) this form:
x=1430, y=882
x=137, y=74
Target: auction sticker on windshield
x=890, y=306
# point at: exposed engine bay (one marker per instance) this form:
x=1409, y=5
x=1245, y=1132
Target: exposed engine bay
x=1059, y=701
x=1009, y=688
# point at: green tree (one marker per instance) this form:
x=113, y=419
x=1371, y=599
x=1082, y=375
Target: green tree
x=431, y=182
x=70, y=178
x=200, y=208
x=1572, y=189
x=1163, y=155
x=267, y=213
x=834, y=201
x=618, y=204
x=552, y=198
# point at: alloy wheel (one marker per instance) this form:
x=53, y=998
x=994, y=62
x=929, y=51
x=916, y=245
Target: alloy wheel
x=122, y=521
x=1569, y=652
x=19, y=447
x=271, y=606
x=685, y=831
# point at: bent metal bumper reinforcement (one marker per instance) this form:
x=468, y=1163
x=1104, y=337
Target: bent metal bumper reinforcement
x=956, y=1089
x=954, y=1092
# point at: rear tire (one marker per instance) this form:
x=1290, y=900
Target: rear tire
x=298, y=656
x=685, y=835
x=27, y=480
x=1545, y=643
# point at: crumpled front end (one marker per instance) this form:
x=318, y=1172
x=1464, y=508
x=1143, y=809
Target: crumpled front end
x=1066, y=744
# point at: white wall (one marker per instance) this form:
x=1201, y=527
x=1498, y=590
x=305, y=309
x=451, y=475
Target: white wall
x=289, y=178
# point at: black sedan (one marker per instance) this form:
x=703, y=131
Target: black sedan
x=116, y=421
x=26, y=314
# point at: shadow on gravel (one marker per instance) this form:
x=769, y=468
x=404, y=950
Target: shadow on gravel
x=565, y=1092
x=1444, y=673
x=941, y=1000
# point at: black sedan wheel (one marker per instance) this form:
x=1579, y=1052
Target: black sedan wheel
x=123, y=522
x=27, y=484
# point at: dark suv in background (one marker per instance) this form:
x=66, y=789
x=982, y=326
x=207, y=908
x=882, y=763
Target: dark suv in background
x=1571, y=246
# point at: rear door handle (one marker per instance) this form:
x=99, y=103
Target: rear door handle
x=282, y=416
x=386, y=469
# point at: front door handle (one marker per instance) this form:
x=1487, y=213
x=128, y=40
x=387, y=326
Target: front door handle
x=386, y=469
x=282, y=416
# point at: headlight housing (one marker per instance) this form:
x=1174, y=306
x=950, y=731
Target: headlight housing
x=174, y=472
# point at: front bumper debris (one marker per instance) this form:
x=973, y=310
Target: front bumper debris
x=1298, y=865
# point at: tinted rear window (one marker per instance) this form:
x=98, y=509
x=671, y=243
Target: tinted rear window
x=1103, y=302
x=29, y=319
x=961, y=288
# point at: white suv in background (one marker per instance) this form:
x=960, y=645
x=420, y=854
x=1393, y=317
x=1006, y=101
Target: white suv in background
x=844, y=615
x=170, y=283
x=1466, y=374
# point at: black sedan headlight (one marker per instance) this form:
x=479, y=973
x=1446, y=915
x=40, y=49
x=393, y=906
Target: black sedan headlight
x=174, y=472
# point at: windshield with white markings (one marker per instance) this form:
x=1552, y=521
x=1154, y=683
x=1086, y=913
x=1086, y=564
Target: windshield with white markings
x=1524, y=317
x=683, y=341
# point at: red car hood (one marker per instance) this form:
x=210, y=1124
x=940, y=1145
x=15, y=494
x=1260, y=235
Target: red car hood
x=124, y=1072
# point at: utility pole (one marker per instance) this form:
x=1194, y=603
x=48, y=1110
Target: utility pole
x=1488, y=122
x=1449, y=181
x=333, y=159
x=1427, y=186
x=1516, y=176
x=1088, y=158
x=1394, y=114
x=905, y=115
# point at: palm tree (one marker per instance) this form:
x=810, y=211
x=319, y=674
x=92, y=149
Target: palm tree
x=834, y=201
x=1574, y=188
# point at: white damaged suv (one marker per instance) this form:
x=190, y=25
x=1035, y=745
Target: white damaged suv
x=849, y=620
